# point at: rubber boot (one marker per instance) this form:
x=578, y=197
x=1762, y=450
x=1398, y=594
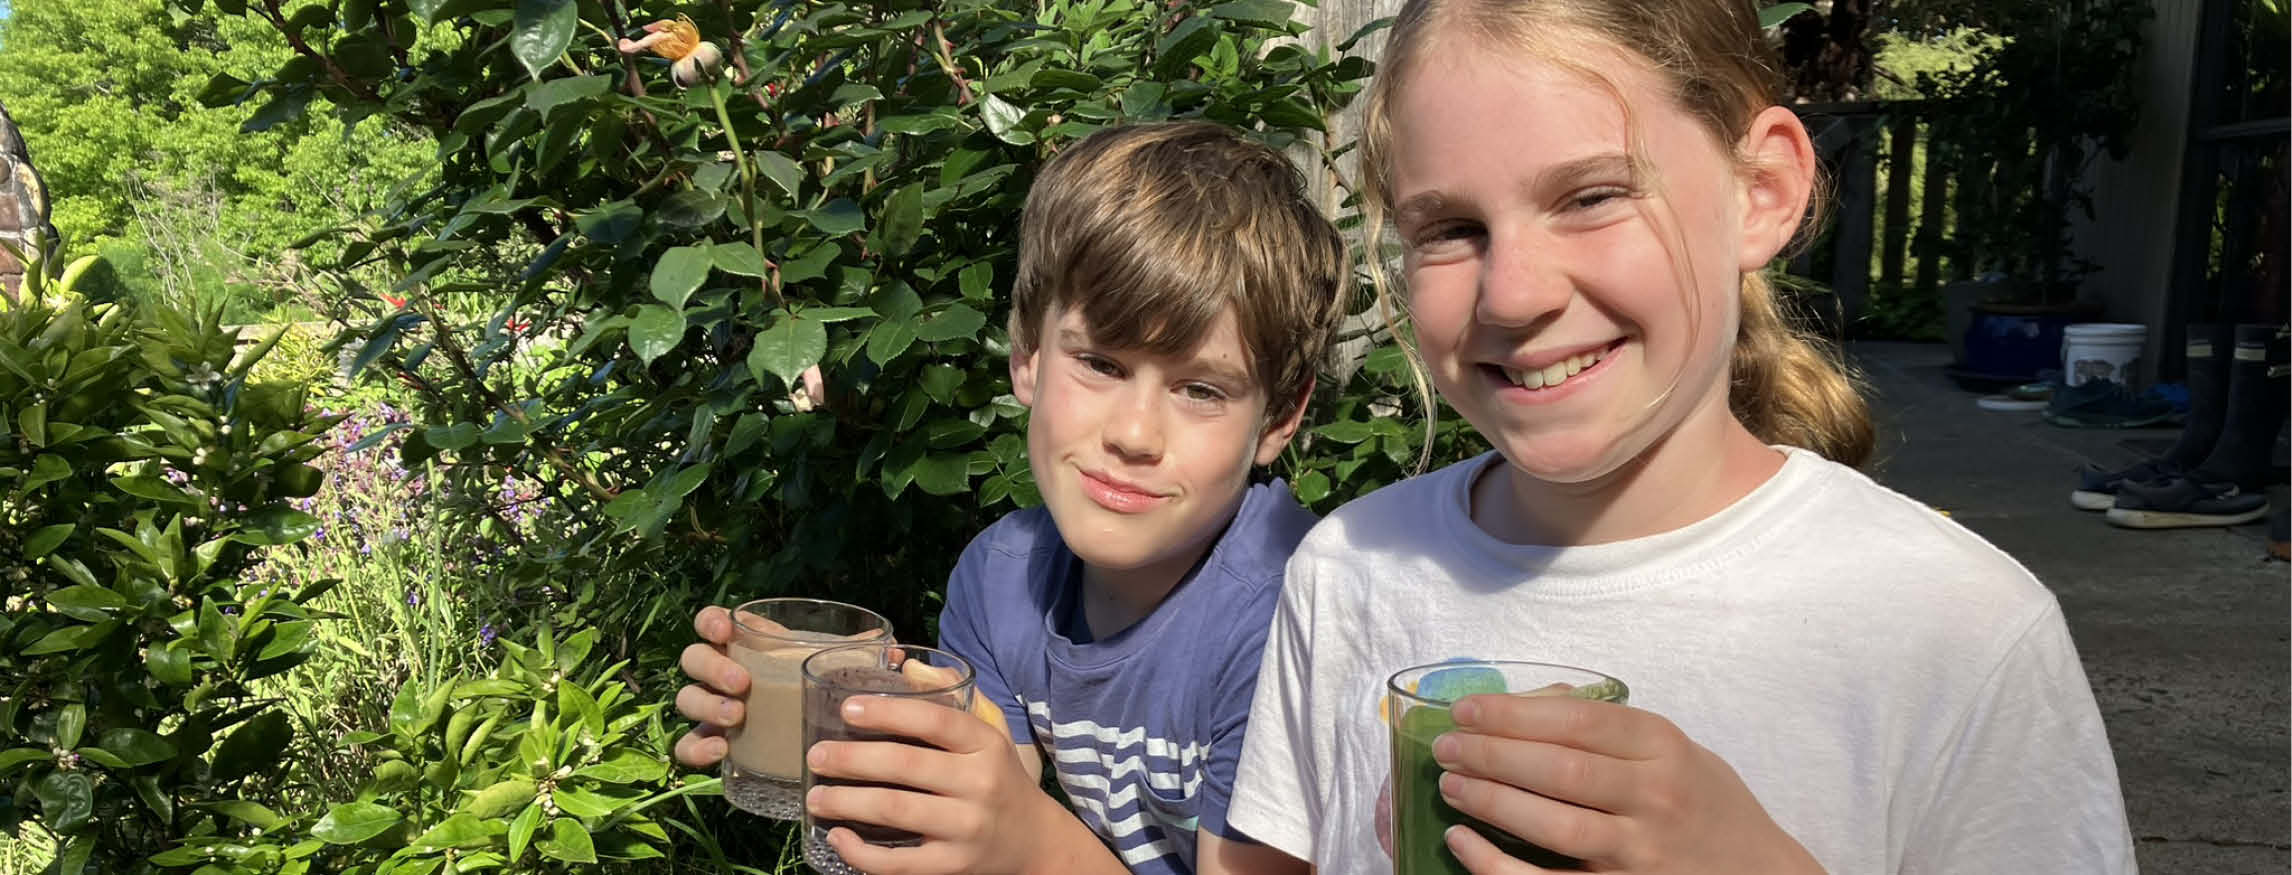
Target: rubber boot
x=2208, y=360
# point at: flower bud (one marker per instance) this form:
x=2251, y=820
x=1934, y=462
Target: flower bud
x=701, y=66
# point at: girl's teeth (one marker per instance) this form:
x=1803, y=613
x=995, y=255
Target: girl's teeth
x=1555, y=373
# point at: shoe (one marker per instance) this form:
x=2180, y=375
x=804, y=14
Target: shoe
x=2183, y=502
x=2104, y=404
x=2097, y=488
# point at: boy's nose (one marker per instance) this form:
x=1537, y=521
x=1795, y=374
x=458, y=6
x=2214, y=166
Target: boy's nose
x=1134, y=429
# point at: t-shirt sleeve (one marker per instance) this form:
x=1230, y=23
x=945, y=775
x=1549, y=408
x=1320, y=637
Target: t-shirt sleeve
x=1236, y=686
x=1274, y=798
x=2029, y=785
x=965, y=630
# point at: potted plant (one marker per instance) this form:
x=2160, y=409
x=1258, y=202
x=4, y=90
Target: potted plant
x=2024, y=123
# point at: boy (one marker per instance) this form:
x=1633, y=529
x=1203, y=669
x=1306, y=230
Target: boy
x=1176, y=292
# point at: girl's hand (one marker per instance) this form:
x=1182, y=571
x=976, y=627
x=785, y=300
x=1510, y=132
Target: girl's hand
x=1622, y=789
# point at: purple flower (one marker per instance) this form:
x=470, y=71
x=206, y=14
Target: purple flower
x=318, y=535
x=486, y=634
x=413, y=598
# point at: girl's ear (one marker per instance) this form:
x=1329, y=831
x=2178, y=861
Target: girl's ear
x=1777, y=181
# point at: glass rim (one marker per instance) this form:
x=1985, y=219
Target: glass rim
x=969, y=674
x=882, y=630
x=1393, y=681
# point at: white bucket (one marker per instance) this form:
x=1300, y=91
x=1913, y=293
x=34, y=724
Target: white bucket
x=2102, y=351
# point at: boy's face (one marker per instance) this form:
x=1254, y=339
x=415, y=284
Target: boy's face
x=1142, y=457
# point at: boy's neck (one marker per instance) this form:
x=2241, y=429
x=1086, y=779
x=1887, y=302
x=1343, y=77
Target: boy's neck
x=1706, y=464
x=1113, y=600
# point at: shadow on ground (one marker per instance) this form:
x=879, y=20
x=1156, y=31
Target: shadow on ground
x=2183, y=633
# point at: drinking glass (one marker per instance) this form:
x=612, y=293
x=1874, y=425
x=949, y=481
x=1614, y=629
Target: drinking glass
x=764, y=764
x=892, y=671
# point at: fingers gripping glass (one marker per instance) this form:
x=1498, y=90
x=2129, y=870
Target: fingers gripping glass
x=892, y=671
x=764, y=765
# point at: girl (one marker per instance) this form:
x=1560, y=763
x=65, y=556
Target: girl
x=1825, y=675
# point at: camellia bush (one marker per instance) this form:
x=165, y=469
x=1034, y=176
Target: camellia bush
x=737, y=270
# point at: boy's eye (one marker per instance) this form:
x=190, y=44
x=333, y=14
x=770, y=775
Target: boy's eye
x=1201, y=392
x=1100, y=365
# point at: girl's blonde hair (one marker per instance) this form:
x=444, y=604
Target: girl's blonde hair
x=1786, y=385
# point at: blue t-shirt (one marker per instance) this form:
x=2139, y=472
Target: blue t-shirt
x=1143, y=728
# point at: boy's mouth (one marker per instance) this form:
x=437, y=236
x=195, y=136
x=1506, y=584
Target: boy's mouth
x=1555, y=373
x=1117, y=495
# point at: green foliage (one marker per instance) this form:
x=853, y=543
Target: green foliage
x=2026, y=119
x=544, y=764
x=190, y=205
x=140, y=473
x=679, y=259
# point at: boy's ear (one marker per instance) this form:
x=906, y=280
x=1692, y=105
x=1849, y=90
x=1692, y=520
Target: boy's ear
x=1022, y=368
x=1776, y=185
x=1277, y=435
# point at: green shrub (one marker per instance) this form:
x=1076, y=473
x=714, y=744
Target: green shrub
x=668, y=262
x=140, y=471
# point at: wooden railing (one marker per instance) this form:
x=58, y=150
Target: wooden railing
x=1890, y=206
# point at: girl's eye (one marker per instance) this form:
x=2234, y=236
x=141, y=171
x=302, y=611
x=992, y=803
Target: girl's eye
x=1595, y=198
x=1447, y=235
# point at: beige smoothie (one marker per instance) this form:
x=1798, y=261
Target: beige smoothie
x=765, y=764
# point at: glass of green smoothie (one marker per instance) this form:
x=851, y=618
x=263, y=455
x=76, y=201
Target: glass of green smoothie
x=1418, y=702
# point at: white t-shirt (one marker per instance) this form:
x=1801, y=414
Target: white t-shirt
x=1901, y=696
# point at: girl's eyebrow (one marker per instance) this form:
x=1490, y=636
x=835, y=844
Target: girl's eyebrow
x=1564, y=176
x=1573, y=174
x=1419, y=206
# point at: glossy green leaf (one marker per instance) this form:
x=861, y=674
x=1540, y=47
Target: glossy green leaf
x=137, y=747
x=47, y=538
x=278, y=524
x=837, y=217
x=521, y=830
x=542, y=30
x=781, y=169
x=253, y=814
x=902, y=220
x=957, y=321
x=71, y=721
x=655, y=331
x=67, y=800
x=256, y=745
x=568, y=841
x=738, y=257
x=787, y=348
x=461, y=831
x=1003, y=120
x=678, y=273
x=353, y=822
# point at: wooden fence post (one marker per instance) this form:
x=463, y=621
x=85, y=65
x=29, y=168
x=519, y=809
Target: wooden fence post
x=1901, y=140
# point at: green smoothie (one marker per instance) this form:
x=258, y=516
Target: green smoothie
x=1420, y=817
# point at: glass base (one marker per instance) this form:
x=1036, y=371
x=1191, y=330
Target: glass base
x=763, y=795
x=823, y=859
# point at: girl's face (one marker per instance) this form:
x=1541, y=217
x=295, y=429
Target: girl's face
x=1574, y=307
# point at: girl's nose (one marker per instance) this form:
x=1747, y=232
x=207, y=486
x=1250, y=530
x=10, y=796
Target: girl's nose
x=1517, y=288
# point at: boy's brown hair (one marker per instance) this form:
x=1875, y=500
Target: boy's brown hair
x=1152, y=231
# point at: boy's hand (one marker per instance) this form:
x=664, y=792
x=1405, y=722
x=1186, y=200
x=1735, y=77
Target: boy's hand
x=1620, y=788
x=716, y=699
x=971, y=799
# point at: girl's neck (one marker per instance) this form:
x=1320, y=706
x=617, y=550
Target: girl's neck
x=1706, y=464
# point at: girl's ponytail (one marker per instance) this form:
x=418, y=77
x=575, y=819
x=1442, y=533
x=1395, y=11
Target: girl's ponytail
x=1790, y=387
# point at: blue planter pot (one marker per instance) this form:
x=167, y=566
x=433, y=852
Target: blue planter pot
x=2013, y=344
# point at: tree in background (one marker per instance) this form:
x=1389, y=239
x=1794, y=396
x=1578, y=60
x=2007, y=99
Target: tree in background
x=107, y=95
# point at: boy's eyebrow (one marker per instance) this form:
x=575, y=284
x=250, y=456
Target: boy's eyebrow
x=1230, y=377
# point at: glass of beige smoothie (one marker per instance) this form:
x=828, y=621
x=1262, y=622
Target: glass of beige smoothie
x=764, y=770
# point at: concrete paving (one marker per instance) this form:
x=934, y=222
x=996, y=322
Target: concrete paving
x=2183, y=633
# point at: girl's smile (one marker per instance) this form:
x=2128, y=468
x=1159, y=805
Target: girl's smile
x=1550, y=377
